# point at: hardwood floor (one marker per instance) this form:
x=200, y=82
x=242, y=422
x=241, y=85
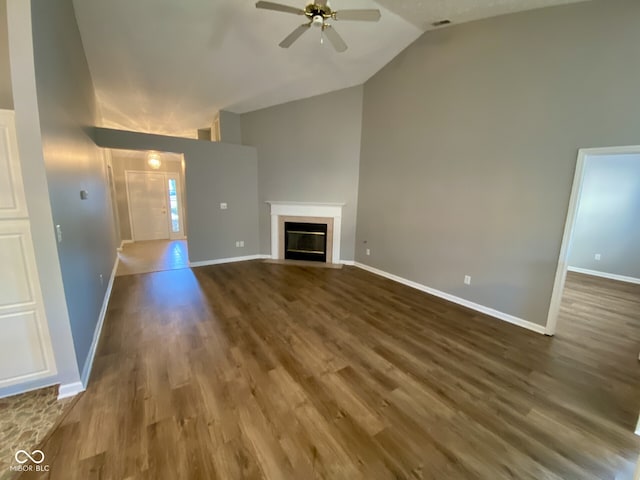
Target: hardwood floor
x=252, y=370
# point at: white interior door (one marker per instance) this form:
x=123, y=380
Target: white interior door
x=26, y=352
x=148, y=199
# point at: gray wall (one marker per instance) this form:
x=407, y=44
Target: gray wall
x=470, y=140
x=125, y=160
x=66, y=103
x=230, y=127
x=608, y=220
x=309, y=151
x=6, y=95
x=214, y=173
x=37, y=195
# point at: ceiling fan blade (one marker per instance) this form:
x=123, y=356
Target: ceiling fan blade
x=278, y=7
x=372, y=15
x=335, y=38
x=293, y=36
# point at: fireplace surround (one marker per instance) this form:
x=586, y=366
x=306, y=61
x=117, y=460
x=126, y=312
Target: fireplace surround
x=326, y=214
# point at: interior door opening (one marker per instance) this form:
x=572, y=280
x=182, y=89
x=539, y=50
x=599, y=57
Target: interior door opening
x=596, y=295
x=151, y=197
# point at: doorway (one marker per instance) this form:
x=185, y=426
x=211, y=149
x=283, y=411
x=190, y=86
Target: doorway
x=150, y=200
x=155, y=209
x=604, y=200
x=595, y=303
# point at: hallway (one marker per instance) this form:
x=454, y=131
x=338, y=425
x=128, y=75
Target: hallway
x=152, y=256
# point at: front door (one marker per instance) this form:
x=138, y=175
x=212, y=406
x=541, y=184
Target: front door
x=148, y=198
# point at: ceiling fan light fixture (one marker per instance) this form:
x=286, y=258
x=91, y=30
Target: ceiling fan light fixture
x=153, y=160
x=317, y=13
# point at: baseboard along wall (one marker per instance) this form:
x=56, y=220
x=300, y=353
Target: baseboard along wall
x=610, y=276
x=71, y=389
x=534, y=327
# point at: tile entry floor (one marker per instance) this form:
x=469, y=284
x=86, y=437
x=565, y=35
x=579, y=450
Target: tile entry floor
x=25, y=420
x=152, y=256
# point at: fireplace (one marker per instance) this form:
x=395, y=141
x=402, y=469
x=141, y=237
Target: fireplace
x=305, y=241
x=327, y=218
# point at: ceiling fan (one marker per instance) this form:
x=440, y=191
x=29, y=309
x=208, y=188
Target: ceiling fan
x=318, y=13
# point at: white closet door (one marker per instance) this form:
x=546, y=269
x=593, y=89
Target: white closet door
x=25, y=345
x=12, y=203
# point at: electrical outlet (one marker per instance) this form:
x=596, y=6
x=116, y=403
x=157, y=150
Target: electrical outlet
x=241, y=243
x=597, y=256
x=368, y=251
x=237, y=244
x=467, y=280
x=223, y=206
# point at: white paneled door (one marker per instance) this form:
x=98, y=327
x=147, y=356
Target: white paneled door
x=26, y=353
x=148, y=205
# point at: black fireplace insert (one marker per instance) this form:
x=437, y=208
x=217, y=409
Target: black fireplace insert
x=305, y=241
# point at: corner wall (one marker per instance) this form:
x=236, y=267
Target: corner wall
x=66, y=105
x=309, y=151
x=6, y=92
x=37, y=194
x=470, y=140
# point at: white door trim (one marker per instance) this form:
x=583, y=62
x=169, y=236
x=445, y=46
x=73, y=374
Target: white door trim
x=574, y=204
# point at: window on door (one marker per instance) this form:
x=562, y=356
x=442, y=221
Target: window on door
x=173, y=206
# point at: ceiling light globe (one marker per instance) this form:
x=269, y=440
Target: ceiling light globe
x=153, y=160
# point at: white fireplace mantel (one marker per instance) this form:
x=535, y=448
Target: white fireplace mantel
x=306, y=209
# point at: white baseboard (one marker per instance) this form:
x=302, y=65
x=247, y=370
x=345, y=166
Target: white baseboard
x=70, y=390
x=610, y=276
x=86, y=371
x=460, y=301
x=28, y=386
x=347, y=262
x=220, y=261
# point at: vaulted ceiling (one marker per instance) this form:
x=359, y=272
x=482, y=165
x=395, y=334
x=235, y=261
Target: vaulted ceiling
x=167, y=66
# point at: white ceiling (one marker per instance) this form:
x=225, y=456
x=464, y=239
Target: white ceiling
x=167, y=66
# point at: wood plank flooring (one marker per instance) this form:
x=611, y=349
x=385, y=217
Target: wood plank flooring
x=252, y=370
